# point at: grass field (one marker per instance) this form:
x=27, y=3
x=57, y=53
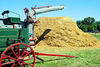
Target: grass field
x=86, y=58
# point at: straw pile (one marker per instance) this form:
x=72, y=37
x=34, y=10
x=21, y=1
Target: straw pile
x=62, y=32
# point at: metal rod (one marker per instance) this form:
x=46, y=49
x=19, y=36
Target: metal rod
x=13, y=26
x=15, y=13
x=39, y=58
x=44, y=54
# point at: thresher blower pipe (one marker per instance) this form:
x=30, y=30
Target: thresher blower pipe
x=36, y=11
x=45, y=9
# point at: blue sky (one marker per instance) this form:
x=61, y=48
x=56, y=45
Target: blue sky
x=77, y=9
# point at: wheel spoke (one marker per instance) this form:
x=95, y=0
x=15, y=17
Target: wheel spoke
x=17, y=65
x=15, y=48
x=28, y=59
x=28, y=64
x=24, y=51
x=8, y=63
x=27, y=54
x=23, y=66
x=14, y=53
x=13, y=65
x=10, y=57
x=19, y=50
x=4, y=57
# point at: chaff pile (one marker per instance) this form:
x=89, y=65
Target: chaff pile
x=62, y=32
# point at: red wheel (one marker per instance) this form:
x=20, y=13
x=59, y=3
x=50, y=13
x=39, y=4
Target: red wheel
x=16, y=55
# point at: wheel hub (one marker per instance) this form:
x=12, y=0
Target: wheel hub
x=20, y=61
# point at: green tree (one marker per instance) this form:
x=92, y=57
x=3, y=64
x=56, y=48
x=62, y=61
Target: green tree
x=87, y=24
x=85, y=28
x=88, y=20
x=98, y=25
x=82, y=27
x=79, y=22
x=92, y=27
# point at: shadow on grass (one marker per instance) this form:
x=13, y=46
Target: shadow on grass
x=53, y=60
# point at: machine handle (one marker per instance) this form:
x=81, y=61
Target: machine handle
x=1, y=19
x=5, y=12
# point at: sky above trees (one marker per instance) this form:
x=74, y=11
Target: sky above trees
x=77, y=9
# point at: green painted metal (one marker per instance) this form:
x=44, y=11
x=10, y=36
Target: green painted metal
x=11, y=20
x=8, y=36
x=24, y=35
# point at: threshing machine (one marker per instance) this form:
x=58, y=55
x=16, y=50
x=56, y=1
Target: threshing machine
x=17, y=38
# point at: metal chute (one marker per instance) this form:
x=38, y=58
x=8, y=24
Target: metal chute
x=44, y=10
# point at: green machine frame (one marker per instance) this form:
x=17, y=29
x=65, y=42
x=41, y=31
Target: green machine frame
x=10, y=36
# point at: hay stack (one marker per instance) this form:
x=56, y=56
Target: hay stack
x=64, y=33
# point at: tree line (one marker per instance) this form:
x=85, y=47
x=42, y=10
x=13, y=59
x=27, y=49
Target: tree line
x=89, y=24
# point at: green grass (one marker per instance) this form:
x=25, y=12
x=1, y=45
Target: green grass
x=86, y=58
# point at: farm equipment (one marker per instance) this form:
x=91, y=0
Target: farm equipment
x=17, y=42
